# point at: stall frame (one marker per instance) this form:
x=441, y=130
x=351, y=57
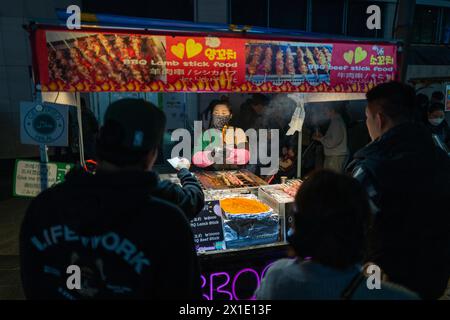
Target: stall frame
x=214, y=264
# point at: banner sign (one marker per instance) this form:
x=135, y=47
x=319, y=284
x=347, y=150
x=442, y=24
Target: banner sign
x=107, y=61
x=207, y=228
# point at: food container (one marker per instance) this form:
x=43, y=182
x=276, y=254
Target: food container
x=244, y=229
x=258, y=210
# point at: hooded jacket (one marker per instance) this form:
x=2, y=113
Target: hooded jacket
x=407, y=179
x=127, y=242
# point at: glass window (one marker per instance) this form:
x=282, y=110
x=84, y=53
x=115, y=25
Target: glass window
x=357, y=19
x=327, y=16
x=425, y=24
x=445, y=35
x=288, y=14
x=148, y=9
x=249, y=12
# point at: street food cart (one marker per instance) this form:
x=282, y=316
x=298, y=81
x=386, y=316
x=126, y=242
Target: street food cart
x=246, y=222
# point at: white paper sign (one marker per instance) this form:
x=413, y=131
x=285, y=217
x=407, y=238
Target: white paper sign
x=32, y=177
x=298, y=117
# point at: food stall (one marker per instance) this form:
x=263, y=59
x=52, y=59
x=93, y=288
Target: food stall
x=245, y=223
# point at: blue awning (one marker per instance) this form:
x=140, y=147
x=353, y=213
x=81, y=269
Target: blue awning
x=109, y=20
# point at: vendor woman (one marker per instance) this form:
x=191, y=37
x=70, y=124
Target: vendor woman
x=221, y=146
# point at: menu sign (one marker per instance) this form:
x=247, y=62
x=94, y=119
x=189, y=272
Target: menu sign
x=70, y=60
x=207, y=228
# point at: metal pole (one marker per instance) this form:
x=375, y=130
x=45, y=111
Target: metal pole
x=309, y=5
x=403, y=30
x=299, y=155
x=43, y=166
x=345, y=18
x=43, y=154
x=80, y=130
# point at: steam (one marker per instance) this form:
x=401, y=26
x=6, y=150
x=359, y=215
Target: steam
x=279, y=111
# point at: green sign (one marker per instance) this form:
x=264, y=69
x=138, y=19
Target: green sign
x=32, y=177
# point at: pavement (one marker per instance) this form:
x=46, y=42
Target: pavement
x=11, y=214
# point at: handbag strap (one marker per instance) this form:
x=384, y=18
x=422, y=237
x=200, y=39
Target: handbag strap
x=348, y=292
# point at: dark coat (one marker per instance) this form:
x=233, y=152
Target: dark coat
x=407, y=179
x=128, y=242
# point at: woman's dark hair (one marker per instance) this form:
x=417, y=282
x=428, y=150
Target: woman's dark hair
x=422, y=100
x=222, y=101
x=331, y=219
x=438, y=95
x=217, y=102
x=436, y=107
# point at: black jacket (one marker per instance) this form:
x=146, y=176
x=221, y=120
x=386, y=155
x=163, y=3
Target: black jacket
x=408, y=182
x=442, y=131
x=189, y=197
x=127, y=242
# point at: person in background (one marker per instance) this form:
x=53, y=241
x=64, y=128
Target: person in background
x=287, y=144
x=408, y=181
x=252, y=112
x=422, y=103
x=90, y=130
x=215, y=142
x=334, y=142
x=330, y=226
x=437, y=97
x=111, y=224
x=437, y=123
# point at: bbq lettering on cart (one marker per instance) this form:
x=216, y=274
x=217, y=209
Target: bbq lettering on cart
x=141, y=62
x=224, y=284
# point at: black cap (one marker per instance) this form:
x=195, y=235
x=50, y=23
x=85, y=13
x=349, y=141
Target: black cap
x=132, y=128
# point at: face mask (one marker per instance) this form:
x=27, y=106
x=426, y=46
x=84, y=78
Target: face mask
x=436, y=121
x=220, y=121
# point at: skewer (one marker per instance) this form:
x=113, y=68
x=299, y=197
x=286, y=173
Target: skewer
x=66, y=43
x=52, y=46
x=163, y=46
x=226, y=181
x=208, y=175
x=246, y=177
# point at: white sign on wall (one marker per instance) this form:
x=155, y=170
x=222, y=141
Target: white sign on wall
x=44, y=123
x=32, y=177
x=174, y=107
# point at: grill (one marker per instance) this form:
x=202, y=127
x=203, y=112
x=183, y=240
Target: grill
x=228, y=179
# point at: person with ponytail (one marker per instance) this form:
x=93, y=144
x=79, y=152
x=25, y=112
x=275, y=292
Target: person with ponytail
x=331, y=225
